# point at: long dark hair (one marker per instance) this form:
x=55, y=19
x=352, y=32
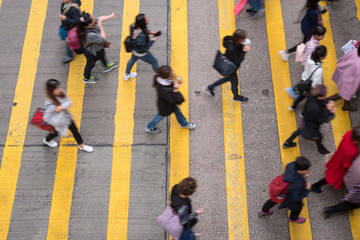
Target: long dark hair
x=312, y=4
x=51, y=85
x=318, y=30
x=85, y=20
x=163, y=71
x=140, y=22
x=318, y=53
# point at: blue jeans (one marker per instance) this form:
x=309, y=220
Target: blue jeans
x=149, y=58
x=187, y=234
x=256, y=4
x=69, y=52
x=157, y=118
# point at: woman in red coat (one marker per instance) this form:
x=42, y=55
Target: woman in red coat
x=340, y=162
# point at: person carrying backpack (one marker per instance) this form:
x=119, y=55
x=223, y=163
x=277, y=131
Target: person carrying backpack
x=236, y=48
x=142, y=39
x=298, y=188
x=92, y=36
x=70, y=17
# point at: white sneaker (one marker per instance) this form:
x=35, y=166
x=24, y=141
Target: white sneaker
x=189, y=126
x=284, y=56
x=126, y=77
x=291, y=109
x=50, y=143
x=87, y=148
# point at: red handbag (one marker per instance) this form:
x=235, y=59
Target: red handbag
x=38, y=121
x=239, y=7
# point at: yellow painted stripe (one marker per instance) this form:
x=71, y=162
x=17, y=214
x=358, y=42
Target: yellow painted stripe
x=123, y=138
x=179, y=137
x=357, y=2
x=66, y=163
x=341, y=123
x=238, y=225
x=11, y=160
x=286, y=119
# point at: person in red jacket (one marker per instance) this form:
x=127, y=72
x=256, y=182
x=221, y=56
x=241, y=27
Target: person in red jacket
x=340, y=162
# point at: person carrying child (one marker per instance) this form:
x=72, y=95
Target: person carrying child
x=295, y=175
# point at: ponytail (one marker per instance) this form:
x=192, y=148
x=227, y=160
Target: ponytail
x=318, y=53
x=85, y=20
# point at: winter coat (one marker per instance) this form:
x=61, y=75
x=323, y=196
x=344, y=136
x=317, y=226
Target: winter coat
x=309, y=49
x=183, y=207
x=296, y=190
x=354, y=195
x=314, y=114
x=234, y=53
x=340, y=162
x=59, y=120
x=140, y=40
x=94, y=42
x=72, y=15
x=310, y=20
x=167, y=99
x=347, y=75
x=310, y=66
x=353, y=174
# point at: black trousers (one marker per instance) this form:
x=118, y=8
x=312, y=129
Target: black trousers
x=320, y=183
x=341, y=207
x=269, y=204
x=73, y=130
x=233, y=78
x=298, y=100
x=293, y=49
x=91, y=60
x=298, y=132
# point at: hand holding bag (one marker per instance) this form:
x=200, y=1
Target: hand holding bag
x=170, y=222
x=38, y=121
x=223, y=65
x=305, y=86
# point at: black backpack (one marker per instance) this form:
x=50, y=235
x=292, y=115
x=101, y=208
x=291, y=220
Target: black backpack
x=128, y=44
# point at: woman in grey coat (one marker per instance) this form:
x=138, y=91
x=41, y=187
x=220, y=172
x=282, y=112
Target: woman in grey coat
x=56, y=114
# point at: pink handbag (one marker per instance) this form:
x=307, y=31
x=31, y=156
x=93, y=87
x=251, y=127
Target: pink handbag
x=239, y=7
x=170, y=221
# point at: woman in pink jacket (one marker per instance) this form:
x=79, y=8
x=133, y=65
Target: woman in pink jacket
x=347, y=78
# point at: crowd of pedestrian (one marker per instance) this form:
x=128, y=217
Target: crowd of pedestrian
x=85, y=34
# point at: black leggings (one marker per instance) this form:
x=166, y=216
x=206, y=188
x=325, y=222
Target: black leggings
x=298, y=132
x=233, y=78
x=91, y=60
x=341, y=207
x=320, y=183
x=293, y=49
x=269, y=204
x=72, y=129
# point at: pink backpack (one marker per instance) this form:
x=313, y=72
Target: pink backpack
x=170, y=222
x=73, y=42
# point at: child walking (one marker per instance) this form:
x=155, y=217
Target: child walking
x=295, y=174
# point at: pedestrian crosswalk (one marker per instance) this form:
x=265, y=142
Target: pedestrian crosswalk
x=117, y=218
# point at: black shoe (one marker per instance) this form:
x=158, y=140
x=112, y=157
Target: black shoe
x=326, y=213
x=241, y=99
x=289, y=145
x=322, y=149
x=250, y=11
x=316, y=189
x=209, y=91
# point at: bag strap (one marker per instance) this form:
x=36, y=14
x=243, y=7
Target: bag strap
x=75, y=5
x=313, y=72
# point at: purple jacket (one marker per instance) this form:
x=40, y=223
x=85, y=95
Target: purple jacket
x=347, y=75
x=354, y=195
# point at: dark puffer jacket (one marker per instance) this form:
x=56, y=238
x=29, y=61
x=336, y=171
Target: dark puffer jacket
x=140, y=40
x=234, y=53
x=72, y=16
x=167, y=99
x=296, y=190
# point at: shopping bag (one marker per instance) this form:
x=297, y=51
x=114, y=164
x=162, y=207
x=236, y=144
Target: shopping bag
x=170, y=222
x=38, y=121
x=299, y=54
x=223, y=65
x=349, y=46
x=239, y=7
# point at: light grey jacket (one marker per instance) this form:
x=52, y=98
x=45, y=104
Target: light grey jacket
x=60, y=120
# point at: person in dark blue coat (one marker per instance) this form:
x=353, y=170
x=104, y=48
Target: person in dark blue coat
x=141, y=39
x=295, y=174
x=70, y=17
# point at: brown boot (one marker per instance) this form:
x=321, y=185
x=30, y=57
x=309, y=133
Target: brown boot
x=334, y=97
x=347, y=107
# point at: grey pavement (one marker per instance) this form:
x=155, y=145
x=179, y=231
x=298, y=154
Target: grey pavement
x=150, y=157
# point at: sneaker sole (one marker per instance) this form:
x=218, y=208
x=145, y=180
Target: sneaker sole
x=285, y=147
x=207, y=91
x=153, y=132
x=108, y=70
x=240, y=101
x=88, y=82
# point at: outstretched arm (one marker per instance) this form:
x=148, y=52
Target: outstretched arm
x=108, y=17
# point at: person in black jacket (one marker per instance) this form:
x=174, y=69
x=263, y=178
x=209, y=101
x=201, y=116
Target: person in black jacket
x=236, y=47
x=295, y=174
x=181, y=204
x=70, y=17
x=317, y=111
x=167, y=86
x=142, y=39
